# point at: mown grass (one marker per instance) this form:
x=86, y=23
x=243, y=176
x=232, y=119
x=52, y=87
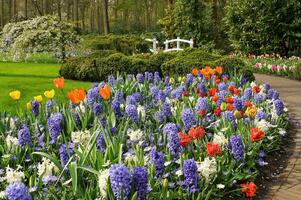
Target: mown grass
x=31, y=79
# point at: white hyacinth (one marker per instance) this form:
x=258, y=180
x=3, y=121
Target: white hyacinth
x=12, y=175
x=47, y=168
x=220, y=139
x=11, y=142
x=103, y=178
x=135, y=135
x=263, y=125
x=141, y=112
x=80, y=137
x=207, y=167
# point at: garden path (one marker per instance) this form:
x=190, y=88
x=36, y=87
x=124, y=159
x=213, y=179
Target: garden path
x=288, y=182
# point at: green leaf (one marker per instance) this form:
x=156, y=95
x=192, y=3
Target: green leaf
x=73, y=173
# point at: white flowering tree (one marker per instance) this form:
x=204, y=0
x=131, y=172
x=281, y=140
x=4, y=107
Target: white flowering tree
x=40, y=34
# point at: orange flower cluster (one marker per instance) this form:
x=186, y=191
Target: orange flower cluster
x=59, y=83
x=105, y=92
x=77, y=95
x=207, y=71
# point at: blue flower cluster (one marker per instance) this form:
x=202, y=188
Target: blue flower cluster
x=191, y=176
x=140, y=182
x=24, y=137
x=17, y=191
x=120, y=178
x=188, y=118
x=236, y=146
x=54, y=126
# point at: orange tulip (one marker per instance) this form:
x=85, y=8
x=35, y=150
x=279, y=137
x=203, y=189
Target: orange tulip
x=59, y=83
x=219, y=69
x=195, y=71
x=77, y=95
x=105, y=92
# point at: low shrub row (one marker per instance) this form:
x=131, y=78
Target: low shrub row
x=126, y=44
x=100, y=64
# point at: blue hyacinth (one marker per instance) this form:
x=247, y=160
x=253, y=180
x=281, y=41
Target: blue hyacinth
x=111, y=80
x=191, y=177
x=258, y=98
x=157, y=158
x=166, y=110
x=24, y=137
x=101, y=143
x=17, y=191
x=116, y=107
x=279, y=106
x=140, y=78
x=170, y=128
x=202, y=104
x=174, y=144
x=248, y=93
x=35, y=108
x=120, y=179
x=177, y=93
x=132, y=113
x=188, y=118
x=97, y=109
x=140, y=180
x=202, y=88
x=93, y=96
x=261, y=115
x=54, y=126
x=65, y=153
x=236, y=146
x=49, y=104
x=222, y=86
x=237, y=103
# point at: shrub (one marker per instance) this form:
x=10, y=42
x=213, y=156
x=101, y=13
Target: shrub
x=235, y=65
x=186, y=60
x=126, y=44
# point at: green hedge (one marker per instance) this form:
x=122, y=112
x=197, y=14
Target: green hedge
x=100, y=64
x=126, y=44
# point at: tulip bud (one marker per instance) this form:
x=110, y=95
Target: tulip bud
x=223, y=106
x=237, y=114
x=165, y=183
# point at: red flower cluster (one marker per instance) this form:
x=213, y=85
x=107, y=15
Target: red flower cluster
x=256, y=134
x=213, y=149
x=249, y=189
x=194, y=133
x=185, y=140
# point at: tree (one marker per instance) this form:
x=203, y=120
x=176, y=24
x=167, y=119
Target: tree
x=256, y=26
x=41, y=34
x=106, y=24
x=190, y=19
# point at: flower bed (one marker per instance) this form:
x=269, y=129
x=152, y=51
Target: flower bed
x=203, y=136
x=274, y=64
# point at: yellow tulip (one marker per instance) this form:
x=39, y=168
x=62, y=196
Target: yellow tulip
x=28, y=105
x=251, y=111
x=49, y=94
x=38, y=98
x=172, y=80
x=15, y=95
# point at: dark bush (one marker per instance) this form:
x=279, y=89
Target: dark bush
x=100, y=64
x=236, y=66
x=126, y=44
x=186, y=60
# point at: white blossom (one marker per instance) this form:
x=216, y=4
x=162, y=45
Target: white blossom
x=80, y=137
x=12, y=175
x=207, y=167
x=11, y=142
x=220, y=139
x=46, y=168
x=135, y=135
x=141, y=112
x=103, y=178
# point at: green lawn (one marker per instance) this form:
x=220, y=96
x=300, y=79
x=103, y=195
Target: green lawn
x=31, y=79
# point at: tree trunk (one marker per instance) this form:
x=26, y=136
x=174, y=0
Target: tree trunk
x=2, y=13
x=45, y=7
x=106, y=25
x=75, y=12
x=92, y=17
x=98, y=17
x=59, y=9
x=14, y=10
x=68, y=10
x=26, y=9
